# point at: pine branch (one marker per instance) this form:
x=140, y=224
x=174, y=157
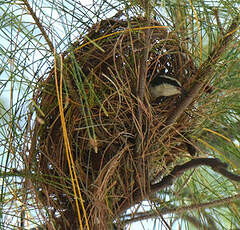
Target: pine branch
x=205, y=71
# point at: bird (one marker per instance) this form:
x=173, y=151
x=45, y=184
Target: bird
x=165, y=86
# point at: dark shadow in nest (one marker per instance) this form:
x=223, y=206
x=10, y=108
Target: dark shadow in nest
x=100, y=109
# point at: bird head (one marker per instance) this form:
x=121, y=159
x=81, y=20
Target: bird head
x=165, y=86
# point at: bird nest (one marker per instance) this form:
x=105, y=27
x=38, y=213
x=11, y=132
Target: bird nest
x=109, y=126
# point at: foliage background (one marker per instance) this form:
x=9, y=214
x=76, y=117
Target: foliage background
x=26, y=56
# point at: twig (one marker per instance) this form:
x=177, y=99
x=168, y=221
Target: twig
x=215, y=11
x=39, y=25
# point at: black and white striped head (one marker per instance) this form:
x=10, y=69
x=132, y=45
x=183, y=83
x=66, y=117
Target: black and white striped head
x=165, y=86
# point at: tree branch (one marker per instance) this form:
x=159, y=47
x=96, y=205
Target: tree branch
x=178, y=171
x=141, y=164
x=214, y=163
